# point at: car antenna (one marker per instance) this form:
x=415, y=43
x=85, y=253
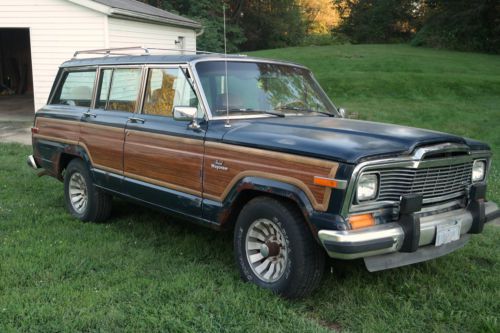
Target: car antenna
x=227, y=124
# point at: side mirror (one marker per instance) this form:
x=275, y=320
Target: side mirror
x=186, y=113
x=343, y=112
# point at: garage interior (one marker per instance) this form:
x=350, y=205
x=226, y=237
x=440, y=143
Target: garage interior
x=16, y=77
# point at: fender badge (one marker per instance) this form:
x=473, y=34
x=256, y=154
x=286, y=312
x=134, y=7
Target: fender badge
x=219, y=165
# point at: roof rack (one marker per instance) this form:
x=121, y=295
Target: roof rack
x=121, y=51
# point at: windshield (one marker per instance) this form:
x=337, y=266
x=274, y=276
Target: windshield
x=261, y=87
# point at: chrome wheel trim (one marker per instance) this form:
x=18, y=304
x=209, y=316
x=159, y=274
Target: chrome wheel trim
x=266, y=250
x=78, y=194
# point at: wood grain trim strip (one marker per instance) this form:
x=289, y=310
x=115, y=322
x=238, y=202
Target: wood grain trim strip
x=55, y=120
x=163, y=184
x=272, y=154
x=323, y=206
x=166, y=137
x=105, y=127
x=53, y=138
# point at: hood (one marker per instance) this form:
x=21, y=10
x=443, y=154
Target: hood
x=344, y=140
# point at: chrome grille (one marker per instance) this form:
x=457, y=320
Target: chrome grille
x=434, y=183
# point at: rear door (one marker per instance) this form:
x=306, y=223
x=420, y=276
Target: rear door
x=163, y=157
x=103, y=126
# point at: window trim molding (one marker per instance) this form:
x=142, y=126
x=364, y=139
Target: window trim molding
x=61, y=78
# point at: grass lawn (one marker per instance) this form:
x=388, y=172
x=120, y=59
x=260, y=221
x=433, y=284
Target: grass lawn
x=143, y=271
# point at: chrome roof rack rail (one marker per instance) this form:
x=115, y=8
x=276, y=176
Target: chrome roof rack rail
x=125, y=51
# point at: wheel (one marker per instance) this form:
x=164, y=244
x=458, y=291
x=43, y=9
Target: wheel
x=83, y=200
x=275, y=249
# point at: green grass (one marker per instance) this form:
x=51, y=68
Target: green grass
x=144, y=271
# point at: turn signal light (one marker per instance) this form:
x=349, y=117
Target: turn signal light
x=361, y=221
x=330, y=182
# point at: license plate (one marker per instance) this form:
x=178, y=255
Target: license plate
x=448, y=233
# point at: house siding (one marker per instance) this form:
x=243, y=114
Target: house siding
x=133, y=33
x=57, y=29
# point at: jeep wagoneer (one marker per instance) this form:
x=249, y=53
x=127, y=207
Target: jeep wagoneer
x=257, y=146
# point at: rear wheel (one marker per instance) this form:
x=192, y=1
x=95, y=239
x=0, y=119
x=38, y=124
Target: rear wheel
x=83, y=200
x=275, y=249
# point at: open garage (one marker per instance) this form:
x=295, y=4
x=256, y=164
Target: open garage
x=16, y=77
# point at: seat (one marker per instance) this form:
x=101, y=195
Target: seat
x=160, y=102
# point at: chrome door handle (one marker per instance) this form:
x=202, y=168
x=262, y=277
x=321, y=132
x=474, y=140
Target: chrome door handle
x=89, y=114
x=137, y=120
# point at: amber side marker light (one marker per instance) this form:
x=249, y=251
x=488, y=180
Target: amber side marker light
x=361, y=221
x=330, y=182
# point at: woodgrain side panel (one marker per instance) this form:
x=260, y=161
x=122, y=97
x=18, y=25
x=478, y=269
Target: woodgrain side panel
x=104, y=144
x=165, y=160
x=242, y=162
x=65, y=130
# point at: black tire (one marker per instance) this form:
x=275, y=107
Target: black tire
x=305, y=259
x=98, y=203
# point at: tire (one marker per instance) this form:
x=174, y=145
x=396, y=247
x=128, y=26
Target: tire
x=295, y=261
x=90, y=204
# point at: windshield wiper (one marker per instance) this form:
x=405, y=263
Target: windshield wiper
x=274, y=113
x=294, y=108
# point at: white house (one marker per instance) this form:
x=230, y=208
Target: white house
x=36, y=36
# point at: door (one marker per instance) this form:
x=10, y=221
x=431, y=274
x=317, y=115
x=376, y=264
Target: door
x=163, y=157
x=103, y=127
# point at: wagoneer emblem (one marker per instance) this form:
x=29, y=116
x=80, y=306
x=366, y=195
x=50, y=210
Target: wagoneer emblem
x=219, y=165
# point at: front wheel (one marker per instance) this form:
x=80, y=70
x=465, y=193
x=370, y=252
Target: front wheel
x=275, y=249
x=83, y=200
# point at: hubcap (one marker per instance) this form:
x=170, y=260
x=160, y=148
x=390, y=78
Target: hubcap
x=266, y=250
x=78, y=192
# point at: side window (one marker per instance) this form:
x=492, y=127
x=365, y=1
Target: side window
x=75, y=89
x=119, y=89
x=167, y=88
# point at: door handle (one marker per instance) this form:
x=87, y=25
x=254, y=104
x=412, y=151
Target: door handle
x=137, y=120
x=89, y=114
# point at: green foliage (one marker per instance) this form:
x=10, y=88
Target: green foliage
x=377, y=21
x=324, y=39
x=146, y=272
x=272, y=24
x=251, y=25
x=466, y=25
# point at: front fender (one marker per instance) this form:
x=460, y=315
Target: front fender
x=248, y=187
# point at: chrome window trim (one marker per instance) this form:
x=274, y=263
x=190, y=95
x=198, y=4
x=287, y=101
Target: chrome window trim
x=183, y=65
x=60, y=75
x=413, y=161
x=100, y=68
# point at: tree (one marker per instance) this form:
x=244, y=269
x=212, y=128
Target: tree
x=271, y=24
x=320, y=16
x=376, y=21
x=467, y=25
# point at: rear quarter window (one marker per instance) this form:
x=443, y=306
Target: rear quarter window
x=75, y=89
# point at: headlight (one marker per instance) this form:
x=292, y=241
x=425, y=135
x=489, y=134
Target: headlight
x=367, y=187
x=478, y=170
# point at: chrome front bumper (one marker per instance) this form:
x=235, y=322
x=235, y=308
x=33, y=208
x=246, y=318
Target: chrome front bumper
x=388, y=238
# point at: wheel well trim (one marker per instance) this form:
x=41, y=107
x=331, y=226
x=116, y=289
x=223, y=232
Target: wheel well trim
x=279, y=181
x=266, y=186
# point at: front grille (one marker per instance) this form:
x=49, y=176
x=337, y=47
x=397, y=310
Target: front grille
x=434, y=183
